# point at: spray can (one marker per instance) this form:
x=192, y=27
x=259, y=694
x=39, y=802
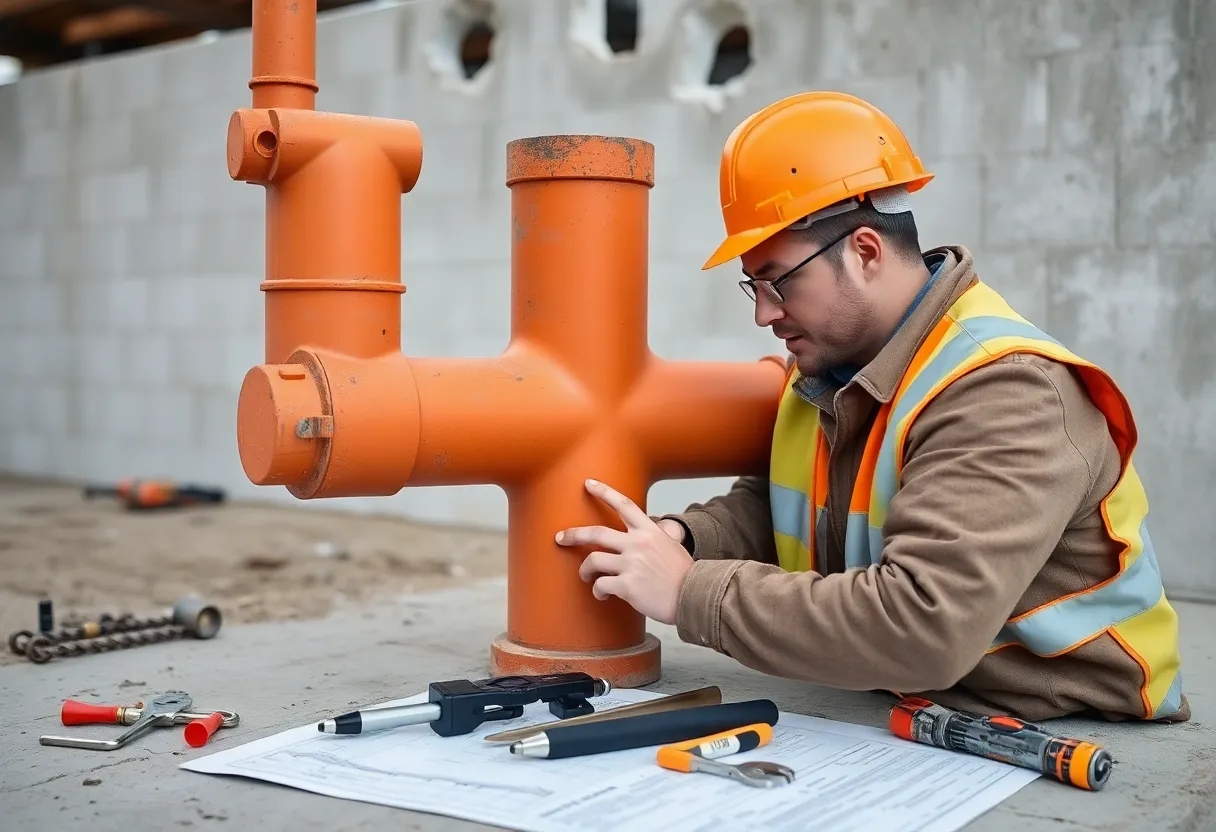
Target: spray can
x=1004, y=738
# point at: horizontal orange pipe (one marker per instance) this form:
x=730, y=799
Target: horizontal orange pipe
x=337, y=410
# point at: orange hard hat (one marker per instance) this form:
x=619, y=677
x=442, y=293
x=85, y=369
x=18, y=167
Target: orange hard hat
x=802, y=154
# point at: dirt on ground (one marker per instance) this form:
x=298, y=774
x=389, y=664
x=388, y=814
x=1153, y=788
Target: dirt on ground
x=255, y=562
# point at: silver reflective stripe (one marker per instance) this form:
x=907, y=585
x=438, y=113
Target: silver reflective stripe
x=876, y=543
x=791, y=512
x=1058, y=627
x=857, y=541
x=974, y=332
x=1173, y=699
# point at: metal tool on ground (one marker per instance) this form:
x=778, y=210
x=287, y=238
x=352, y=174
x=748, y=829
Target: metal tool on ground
x=46, y=615
x=139, y=494
x=189, y=617
x=461, y=706
x=1004, y=738
x=558, y=741
x=46, y=623
x=701, y=754
x=170, y=708
x=689, y=699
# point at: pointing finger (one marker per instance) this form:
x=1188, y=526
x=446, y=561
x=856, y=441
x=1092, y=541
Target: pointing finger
x=629, y=511
x=601, y=536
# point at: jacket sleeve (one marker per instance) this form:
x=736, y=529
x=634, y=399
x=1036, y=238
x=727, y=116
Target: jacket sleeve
x=736, y=525
x=992, y=478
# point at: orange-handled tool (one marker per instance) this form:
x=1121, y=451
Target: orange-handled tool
x=701, y=754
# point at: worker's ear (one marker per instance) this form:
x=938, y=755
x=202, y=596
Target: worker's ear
x=870, y=248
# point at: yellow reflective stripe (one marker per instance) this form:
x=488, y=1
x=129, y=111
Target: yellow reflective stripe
x=981, y=300
x=1125, y=510
x=790, y=470
x=794, y=442
x=1150, y=638
x=963, y=344
x=792, y=556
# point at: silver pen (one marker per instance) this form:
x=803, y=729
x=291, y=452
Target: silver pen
x=380, y=719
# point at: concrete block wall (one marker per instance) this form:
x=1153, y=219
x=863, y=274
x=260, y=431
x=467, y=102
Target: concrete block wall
x=1071, y=141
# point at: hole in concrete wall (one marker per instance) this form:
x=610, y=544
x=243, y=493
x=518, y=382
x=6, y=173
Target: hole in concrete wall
x=475, y=48
x=621, y=25
x=712, y=53
x=607, y=29
x=732, y=57
x=461, y=52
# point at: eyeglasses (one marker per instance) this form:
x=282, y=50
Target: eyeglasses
x=772, y=288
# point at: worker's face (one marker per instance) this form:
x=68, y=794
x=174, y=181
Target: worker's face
x=826, y=320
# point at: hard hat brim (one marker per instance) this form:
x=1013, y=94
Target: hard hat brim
x=742, y=242
x=736, y=245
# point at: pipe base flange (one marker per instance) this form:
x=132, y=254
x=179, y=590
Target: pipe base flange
x=633, y=667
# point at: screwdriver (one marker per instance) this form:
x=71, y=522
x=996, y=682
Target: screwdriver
x=1006, y=739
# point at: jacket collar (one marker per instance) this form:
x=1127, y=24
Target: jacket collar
x=882, y=375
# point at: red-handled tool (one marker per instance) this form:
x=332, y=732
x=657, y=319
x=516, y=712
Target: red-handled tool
x=200, y=730
x=86, y=713
x=172, y=708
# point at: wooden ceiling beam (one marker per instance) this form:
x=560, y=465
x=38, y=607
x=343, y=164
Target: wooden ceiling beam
x=12, y=8
x=127, y=20
x=201, y=13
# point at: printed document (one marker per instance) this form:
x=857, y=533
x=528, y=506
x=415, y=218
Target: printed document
x=849, y=778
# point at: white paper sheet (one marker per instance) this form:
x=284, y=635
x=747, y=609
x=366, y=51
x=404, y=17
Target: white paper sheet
x=849, y=777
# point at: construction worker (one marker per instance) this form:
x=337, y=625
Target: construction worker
x=951, y=508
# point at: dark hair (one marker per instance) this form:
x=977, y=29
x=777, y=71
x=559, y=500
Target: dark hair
x=898, y=230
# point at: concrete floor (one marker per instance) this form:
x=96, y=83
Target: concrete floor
x=281, y=675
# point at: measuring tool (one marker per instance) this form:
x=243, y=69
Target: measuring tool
x=461, y=706
x=1004, y=738
x=702, y=755
x=171, y=708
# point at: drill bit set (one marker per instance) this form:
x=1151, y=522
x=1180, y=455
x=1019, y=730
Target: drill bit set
x=190, y=617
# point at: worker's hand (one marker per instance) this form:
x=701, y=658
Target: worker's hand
x=644, y=565
x=674, y=530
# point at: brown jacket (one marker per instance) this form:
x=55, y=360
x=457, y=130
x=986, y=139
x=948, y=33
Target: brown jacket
x=997, y=514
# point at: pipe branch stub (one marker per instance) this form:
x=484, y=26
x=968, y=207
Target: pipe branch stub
x=614, y=158
x=274, y=401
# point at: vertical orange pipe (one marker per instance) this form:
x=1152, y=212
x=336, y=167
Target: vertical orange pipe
x=284, y=54
x=579, y=253
x=579, y=256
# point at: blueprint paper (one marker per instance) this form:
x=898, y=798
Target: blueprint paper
x=850, y=778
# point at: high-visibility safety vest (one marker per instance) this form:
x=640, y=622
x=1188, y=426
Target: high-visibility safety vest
x=978, y=329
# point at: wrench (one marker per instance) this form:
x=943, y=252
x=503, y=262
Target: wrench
x=163, y=710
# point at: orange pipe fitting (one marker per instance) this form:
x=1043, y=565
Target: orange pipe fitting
x=337, y=410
